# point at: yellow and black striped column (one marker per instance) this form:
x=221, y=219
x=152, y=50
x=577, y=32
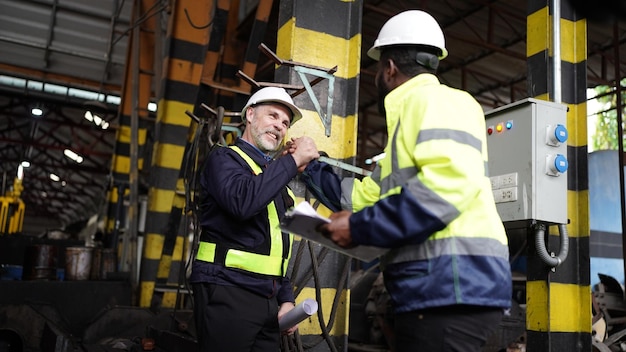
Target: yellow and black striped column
x=317, y=33
x=186, y=48
x=257, y=36
x=210, y=92
x=558, y=314
x=121, y=157
x=221, y=86
x=231, y=59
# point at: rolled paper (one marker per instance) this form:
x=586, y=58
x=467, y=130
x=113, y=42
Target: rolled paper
x=300, y=312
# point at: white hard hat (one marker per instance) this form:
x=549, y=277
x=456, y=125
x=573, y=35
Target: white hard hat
x=407, y=28
x=273, y=95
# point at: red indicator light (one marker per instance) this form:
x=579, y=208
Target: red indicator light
x=490, y=130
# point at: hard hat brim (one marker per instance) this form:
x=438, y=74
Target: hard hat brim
x=374, y=53
x=296, y=114
x=273, y=95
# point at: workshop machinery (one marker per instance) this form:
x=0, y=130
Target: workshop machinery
x=12, y=209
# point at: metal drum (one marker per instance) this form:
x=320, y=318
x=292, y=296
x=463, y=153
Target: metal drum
x=40, y=262
x=78, y=263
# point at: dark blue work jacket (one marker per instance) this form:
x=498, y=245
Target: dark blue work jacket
x=233, y=212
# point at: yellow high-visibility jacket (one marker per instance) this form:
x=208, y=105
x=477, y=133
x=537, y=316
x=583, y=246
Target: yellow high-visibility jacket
x=430, y=201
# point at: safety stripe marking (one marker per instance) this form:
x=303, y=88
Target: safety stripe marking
x=311, y=326
x=161, y=200
x=569, y=308
x=573, y=51
x=185, y=51
x=343, y=136
x=314, y=46
x=341, y=18
x=537, y=32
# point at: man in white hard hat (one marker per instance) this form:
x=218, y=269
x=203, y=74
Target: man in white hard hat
x=429, y=200
x=240, y=287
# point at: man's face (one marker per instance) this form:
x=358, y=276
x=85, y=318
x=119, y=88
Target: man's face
x=268, y=124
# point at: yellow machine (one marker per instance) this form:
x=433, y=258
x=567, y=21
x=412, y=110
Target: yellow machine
x=12, y=209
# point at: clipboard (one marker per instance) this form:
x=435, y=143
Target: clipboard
x=303, y=220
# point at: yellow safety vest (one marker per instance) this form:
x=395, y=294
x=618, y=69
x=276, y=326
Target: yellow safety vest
x=274, y=263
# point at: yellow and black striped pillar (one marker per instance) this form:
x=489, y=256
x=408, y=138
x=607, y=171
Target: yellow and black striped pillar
x=558, y=314
x=232, y=53
x=131, y=138
x=257, y=36
x=221, y=86
x=121, y=158
x=211, y=91
x=186, y=47
x=317, y=33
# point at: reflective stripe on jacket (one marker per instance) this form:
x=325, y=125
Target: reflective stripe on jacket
x=273, y=263
x=430, y=201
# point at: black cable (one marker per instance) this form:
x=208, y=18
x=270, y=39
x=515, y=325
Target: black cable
x=296, y=262
x=145, y=16
x=189, y=167
x=195, y=26
x=190, y=204
x=343, y=278
x=318, y=296
x=309, y=274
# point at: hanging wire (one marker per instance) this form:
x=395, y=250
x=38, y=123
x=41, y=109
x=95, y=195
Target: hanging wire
x=195, y=25
x=300, y=282
x=190, y=181
x=151, y=12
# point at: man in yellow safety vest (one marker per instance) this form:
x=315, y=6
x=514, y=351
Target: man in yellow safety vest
x=240, y=287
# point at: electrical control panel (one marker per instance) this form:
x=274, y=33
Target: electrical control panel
x=528, y=163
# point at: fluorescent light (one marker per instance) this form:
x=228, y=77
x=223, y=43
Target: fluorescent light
x=73, y=155
x=25, y=164
x=36, y=111
x=97, y=120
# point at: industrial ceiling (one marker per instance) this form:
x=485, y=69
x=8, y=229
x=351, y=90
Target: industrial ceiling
x=69, y=56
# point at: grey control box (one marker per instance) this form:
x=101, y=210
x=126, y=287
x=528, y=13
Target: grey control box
x=528, y=163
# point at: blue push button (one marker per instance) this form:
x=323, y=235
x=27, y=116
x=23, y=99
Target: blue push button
x=560, y=163
x=560, y=133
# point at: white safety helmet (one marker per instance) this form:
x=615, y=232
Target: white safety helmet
x=410, y=27
x=273, y=95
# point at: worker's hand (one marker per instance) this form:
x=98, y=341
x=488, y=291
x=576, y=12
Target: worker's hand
x=303, y=150
x=282, y=310
x=338, y=230
x=289, y=147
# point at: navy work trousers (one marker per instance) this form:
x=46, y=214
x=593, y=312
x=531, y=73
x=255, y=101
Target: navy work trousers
x=446, y=329
x=233, y=319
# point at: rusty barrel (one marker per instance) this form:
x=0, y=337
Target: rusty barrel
x=78, y=263
x=103, y=262
x=40, y=262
